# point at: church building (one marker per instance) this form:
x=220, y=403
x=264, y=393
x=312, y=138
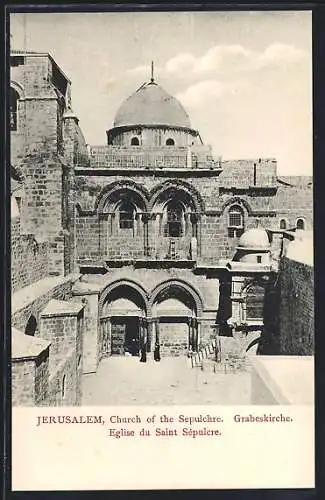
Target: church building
x=147, y=242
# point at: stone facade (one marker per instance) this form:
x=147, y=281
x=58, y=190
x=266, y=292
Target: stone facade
x=137, y=232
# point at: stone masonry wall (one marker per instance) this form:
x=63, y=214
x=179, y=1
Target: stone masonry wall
x=173, y=338
x=30, y=381
x=65, y=334
x=36, y=148
x=214, y=241
x=29, y=259
x=150, y=278
x=289, y=311
x=23, y=383
x=295, y=200
x=296, y=318
x=63, y=382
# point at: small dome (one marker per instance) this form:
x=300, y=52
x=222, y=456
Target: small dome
x=151, y=105
x=255, y=238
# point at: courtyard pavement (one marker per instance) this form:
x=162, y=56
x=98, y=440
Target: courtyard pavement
x=123, y=380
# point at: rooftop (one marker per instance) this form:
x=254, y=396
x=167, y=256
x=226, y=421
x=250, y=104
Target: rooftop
x=25, y=346
x=61, y=308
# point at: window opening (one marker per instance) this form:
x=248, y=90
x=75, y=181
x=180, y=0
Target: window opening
x=126, y=216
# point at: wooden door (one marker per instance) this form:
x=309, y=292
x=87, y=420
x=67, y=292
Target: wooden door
x=118, y=338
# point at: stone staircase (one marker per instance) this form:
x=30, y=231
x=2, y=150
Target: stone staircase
x=207, y=351
x=211, y=358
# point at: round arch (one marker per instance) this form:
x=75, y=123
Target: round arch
x=113, y=192
x=18, y=88
x=283, y=223
x=182, y=286
x=237, y=201
x=124, y=285
x=253, y=294
x=184, y=191
x=31, y=326
x=300, y=223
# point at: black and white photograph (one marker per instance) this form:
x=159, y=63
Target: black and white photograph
x=161, y=243
x=161, y=208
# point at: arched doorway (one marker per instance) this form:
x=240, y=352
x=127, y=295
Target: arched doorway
x=31, y=326
x=123, y=321
x=174, y=316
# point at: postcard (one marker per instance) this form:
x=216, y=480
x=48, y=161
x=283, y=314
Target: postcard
x=161, y=250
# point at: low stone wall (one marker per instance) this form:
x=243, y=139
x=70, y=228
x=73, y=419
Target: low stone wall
x=283, y=380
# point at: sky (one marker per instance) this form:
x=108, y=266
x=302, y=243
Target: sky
x=245, y=78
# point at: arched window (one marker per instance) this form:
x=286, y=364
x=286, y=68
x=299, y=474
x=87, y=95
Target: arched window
x=126, y=211
x=235, y=222
x=174, y=224
x=31, y=326
x=170, y=142
x=300, y=224
x=255, y=302
x=135, y=141
x=283, y=224
x=14, y=98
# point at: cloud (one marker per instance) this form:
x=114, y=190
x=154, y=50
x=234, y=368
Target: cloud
x=207, y=90
x=219, y=63
x=222, y=55
x=182, y=62
x=278, y=53
x=230, y=58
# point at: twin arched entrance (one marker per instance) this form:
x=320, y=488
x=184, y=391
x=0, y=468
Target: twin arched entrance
x=132, y=319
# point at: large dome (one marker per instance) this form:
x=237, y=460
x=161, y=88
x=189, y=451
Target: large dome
x=151, y=105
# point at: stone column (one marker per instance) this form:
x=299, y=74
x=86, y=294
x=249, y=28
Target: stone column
x=157, y=339
x=109, y=337
x=186, y=222
x=196, y=230
x=105, y=325
x=152, y=234
x=160, y=229
x=189, y=333
x=113, y=231
x=193, y=219
x=193, y=336
x=236, y=287
x=198, y=333
x=137, y=224
x=149, y=333
x=145, y=219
